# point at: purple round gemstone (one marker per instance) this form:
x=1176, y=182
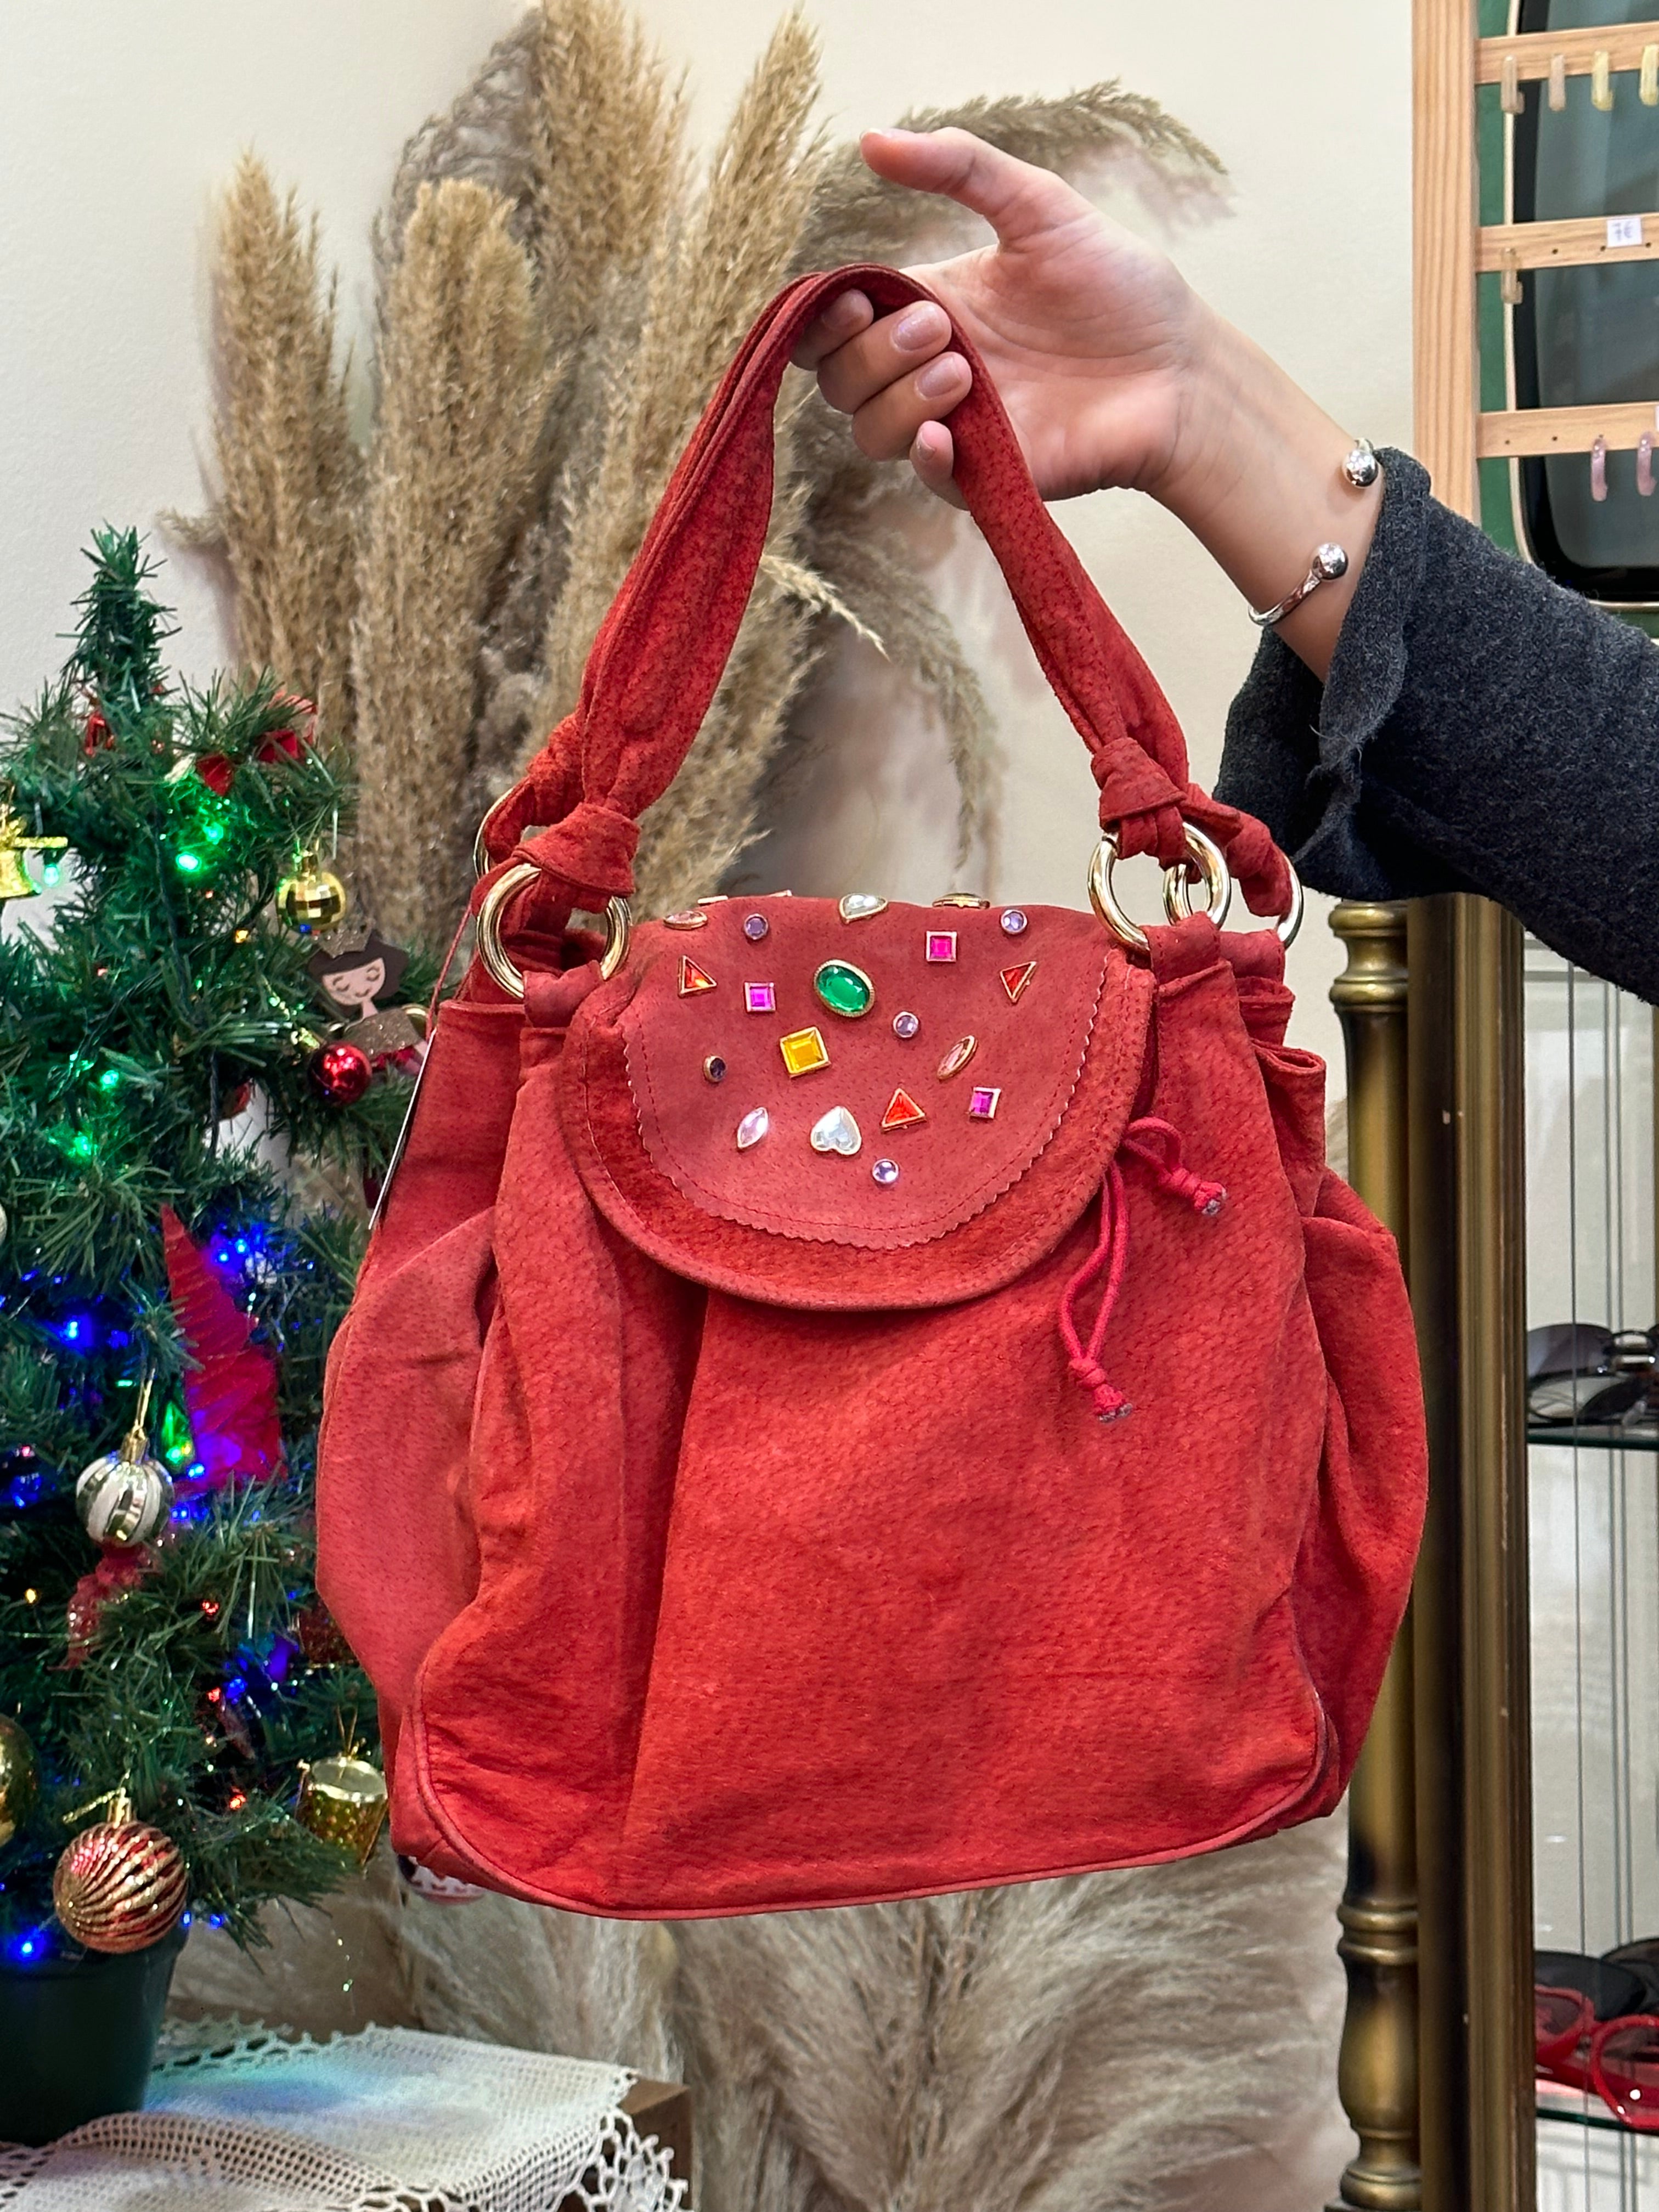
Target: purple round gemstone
x=713, y=1069
x=885, y=1172
x=755, y=926
x=1015, y=922
x=906, y=1025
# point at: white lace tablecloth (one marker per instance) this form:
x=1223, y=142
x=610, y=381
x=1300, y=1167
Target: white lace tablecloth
x=386, y=2121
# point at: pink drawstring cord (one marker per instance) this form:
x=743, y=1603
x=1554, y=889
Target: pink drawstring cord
x=1111, y=1254
x=1158, y=1143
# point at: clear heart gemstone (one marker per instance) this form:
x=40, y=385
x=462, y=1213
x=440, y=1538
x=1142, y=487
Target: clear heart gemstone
x=836, y=1132
x=858, y=906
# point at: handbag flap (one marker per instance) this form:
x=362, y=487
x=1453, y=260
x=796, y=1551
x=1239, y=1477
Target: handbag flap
x=967, y=1079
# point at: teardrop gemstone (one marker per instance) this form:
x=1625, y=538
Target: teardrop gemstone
x=858, y=906
x=845, y=989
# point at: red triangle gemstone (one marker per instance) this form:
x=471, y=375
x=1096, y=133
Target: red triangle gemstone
x=692, y=978
x=902, y=1112
x=1014, y=979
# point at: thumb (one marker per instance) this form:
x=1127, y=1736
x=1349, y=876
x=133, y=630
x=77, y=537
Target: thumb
x=1015, y=197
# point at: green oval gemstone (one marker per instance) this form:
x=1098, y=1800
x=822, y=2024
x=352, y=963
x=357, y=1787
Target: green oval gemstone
x=844, y=989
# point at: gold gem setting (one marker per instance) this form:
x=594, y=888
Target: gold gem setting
x=803, y=1051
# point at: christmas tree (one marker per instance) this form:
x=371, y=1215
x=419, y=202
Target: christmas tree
x=165, y=1307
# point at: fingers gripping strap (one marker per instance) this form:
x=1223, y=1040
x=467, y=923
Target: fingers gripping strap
x=661, y=649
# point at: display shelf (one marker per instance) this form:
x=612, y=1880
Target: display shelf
x=1594, y=1436
x=1534, y=54
x=1581, y=2108
x=1537, y=432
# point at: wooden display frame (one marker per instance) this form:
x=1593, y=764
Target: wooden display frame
x=1510, y=249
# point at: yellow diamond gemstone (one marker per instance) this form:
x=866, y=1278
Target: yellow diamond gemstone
x=803, y=1050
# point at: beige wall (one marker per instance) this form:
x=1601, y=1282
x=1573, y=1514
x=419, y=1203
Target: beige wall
x=121, y=121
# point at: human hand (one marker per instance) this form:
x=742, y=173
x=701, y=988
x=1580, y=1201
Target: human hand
x=1091, y=336
x=1113, y=371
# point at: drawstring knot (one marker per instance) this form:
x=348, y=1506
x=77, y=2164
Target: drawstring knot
x=1110, y=1404
x=1159, y=1143
x=1205, y=1198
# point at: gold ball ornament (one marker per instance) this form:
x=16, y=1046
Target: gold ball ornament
x=120, y=1885
x=312, y=897
x=343, y=1802
x=20, y=1778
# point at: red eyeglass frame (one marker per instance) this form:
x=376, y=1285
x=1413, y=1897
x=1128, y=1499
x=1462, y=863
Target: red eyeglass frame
x=1573, y=2047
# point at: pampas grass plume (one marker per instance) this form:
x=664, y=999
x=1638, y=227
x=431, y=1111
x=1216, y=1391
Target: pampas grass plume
x=464, y=392
x=290, y=475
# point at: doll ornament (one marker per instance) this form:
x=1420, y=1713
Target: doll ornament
x=355, y=968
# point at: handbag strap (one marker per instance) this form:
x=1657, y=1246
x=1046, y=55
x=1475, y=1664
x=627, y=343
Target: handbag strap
x=661, y=649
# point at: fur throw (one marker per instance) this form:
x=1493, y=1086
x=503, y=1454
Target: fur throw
x=1162, y=2040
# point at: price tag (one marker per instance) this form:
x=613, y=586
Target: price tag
x=1624, y=230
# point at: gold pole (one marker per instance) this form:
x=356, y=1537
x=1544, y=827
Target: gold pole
x=1496, y=1674
x=1378, y=2071
x=1467, y=1200
x=1474, y=1716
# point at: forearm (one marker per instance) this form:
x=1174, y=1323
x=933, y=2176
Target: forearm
x=1481, y=729
x=1257, y=476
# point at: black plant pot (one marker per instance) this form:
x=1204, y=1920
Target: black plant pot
x=78, y=2036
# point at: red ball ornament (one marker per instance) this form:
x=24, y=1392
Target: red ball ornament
x=119, y=1886
x=340, y=1072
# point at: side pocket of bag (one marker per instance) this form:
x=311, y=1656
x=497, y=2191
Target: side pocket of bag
x=397, y=1559
x=396, y=1556
x=1353, y=1573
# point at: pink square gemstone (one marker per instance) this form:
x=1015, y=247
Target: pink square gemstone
x=982, y=1103
x=760, y=998
x=941, y=945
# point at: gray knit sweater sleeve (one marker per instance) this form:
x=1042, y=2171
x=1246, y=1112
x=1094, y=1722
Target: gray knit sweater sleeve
x=1482, y=729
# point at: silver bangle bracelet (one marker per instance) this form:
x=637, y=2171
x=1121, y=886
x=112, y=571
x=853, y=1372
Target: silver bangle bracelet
x=1360, y=466
x=1329, y=561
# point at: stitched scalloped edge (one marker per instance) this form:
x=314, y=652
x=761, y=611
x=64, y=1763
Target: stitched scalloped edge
x=765, y=1224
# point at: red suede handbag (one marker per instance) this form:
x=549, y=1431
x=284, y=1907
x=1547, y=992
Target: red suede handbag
x=848, y=1399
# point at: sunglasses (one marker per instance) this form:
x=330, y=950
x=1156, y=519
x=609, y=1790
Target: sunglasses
x=1576, y=1371
x=1595, y=2026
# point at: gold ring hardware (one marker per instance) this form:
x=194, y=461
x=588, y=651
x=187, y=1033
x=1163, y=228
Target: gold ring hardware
x=481, y=860
x=1212, y=864
x=480, y=857
x=1178, y=904
x=618, y=925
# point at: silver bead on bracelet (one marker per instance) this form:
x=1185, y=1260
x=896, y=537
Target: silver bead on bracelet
x=1360, y=466
x=1329, y=561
